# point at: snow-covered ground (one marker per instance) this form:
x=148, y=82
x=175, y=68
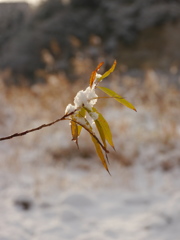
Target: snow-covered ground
x=69, y=201
x=49, y=190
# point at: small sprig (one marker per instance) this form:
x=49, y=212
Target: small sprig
x=83, y=114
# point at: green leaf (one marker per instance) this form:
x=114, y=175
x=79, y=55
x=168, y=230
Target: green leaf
x=117, y=97
x=105, y=127
x=100, y=153
x=106, y=74
x=101, y=132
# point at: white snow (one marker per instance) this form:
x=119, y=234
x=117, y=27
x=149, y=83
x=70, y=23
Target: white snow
x=67, y=202
x=98, y=75
x=69, y=109
x=94, y=115
x=95, y=80
x=86, y=98
x=82, y=121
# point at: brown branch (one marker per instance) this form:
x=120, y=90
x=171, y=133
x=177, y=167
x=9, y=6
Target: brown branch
x=91, y=133
x=35, y=129
x=48, y=125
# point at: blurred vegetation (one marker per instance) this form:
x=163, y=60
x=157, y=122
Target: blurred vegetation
x=72, y=36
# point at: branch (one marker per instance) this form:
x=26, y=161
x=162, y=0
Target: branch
x=91, y=133
x=49, y=124
x=35, y=129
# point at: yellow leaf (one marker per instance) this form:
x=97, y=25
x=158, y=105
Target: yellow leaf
x=86, y=125
x=98, y=125
x=88, y=128
x=100, y=153
x=105, y=127
x=102, y=127
x=101, y=132
x=80, y=114
x=117, y=97
x=106, y=74
x=79, y=130
x=74, y=132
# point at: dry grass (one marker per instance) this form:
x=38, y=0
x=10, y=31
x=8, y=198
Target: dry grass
x=150, y=136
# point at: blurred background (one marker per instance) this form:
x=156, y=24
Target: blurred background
x=48, y=188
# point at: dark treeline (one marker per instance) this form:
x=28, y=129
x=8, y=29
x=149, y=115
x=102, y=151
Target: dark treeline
x=136, y=32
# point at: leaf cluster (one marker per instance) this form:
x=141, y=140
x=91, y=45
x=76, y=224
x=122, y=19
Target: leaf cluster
x=79, y=120
x=83, y=110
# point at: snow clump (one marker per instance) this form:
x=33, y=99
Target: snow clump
x=84, y=98
x=87, y=98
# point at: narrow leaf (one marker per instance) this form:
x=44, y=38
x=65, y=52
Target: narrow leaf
x=80, y=114
x=106, y=74
x=88, y=128
x=98, y=125
x=99, y=66
x=102, y=127
x=105, y=126
x=92, y=78
x=93, y=74
x=117, y=97
x=101, y=132
x=74, y=132
x=100, y=153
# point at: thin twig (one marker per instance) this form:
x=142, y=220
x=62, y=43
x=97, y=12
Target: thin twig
x=35, y=129
x=107, y=97
x=48, y=125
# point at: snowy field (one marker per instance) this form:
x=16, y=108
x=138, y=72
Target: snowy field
x=49, y=190
x=69, y=202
